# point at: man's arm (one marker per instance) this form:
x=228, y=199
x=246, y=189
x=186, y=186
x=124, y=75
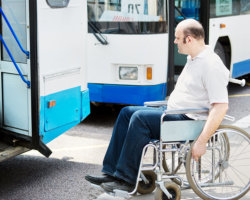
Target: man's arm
x=215, y=118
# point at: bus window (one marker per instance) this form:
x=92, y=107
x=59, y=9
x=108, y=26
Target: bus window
x=184, y=9
x=126, y=10
x=128, y=16
x=229, y=8
x=244, y=7
x=187, y=9
x=13, y=9
x=223, y=8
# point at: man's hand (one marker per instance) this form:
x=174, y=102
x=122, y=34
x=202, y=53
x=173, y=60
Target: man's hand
x=199, y=149
x=215, y=117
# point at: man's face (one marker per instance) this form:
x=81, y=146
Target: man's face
x=180, y=40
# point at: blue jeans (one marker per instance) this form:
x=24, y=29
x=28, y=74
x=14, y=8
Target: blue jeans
x=134, y=128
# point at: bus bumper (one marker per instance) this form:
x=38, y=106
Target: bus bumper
x=126, y=94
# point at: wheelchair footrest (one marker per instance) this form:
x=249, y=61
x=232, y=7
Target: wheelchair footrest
x=121, y=193
x=97, y=186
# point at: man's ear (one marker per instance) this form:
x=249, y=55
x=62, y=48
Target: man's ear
x=188, y=39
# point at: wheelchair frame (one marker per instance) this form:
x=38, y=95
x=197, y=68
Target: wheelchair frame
x=181, y=143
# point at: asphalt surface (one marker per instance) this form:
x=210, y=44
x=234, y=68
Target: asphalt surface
x=79, y=152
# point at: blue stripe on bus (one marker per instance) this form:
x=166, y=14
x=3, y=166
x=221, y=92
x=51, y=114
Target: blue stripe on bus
x=72, y=106
x=126, y=94
x=241, y=68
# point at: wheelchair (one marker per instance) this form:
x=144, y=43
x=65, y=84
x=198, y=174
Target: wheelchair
x=220, y=174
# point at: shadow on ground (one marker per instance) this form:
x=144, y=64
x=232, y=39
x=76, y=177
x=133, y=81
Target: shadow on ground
x=39, y=178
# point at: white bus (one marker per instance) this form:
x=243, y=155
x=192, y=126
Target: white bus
x=43, y=91
x=131, y=57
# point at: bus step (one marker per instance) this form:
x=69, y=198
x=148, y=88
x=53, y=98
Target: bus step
x=7, y=151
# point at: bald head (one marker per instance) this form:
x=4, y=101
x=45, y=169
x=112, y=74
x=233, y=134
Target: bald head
x=193, y=28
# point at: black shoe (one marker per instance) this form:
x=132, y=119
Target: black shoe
x=98, y=180
x=117, y=185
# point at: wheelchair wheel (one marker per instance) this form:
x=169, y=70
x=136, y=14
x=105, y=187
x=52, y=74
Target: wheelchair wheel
x=172, y=188
x=146, y=188
x=222, y=172
x=222, y=146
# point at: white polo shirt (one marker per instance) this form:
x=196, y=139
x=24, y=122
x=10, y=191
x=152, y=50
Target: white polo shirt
x=202, y=82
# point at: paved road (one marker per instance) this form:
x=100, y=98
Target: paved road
x=32, y=177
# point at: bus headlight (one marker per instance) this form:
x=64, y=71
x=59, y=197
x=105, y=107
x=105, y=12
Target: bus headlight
x=128, y=73
x=58, y=3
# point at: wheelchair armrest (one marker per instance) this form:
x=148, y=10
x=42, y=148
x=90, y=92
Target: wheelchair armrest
x=186, y=111
x=155, y=103
x=192, y=111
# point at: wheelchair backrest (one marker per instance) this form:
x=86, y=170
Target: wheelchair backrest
x=173, y=131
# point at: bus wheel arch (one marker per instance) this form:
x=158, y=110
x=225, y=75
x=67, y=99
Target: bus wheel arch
x=223, y=49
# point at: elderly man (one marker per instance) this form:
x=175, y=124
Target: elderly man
x=202, y=83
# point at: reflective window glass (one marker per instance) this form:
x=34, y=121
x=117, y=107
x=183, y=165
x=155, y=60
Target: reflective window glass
x=222, y=8
x=127, y=10
x=15, y=11
x=128, y=16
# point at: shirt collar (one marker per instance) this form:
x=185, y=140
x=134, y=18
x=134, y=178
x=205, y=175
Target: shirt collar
x=202, y=54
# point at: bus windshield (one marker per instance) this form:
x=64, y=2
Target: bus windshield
x=128, y=16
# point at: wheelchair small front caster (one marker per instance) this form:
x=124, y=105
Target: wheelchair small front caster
x=146, y=188
x=172, y=188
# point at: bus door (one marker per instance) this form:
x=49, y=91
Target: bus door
x=15, y=109
x=191, y=9
x=42, y=93
x=184, y=9
x=15, y=95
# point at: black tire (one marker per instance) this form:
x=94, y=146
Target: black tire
x=201, y=191
x=220, y=51
x=144, y=188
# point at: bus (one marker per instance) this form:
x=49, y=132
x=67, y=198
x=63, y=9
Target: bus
x=43, y=87
x=131, y=55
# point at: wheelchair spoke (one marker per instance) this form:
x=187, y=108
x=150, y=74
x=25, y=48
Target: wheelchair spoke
x=238, y=173
x=235, y=156
x=226, y=166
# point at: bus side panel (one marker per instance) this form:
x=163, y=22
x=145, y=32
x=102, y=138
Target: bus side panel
x=71, y=106
x=64, y=99
x=85, y=104
x=64, y=108
x=240, y=57
x=241, y=68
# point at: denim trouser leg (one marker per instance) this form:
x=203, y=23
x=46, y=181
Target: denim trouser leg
x=134, y=128
x=118, y=136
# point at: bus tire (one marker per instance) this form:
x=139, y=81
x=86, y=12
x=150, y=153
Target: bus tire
x=220, y=51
